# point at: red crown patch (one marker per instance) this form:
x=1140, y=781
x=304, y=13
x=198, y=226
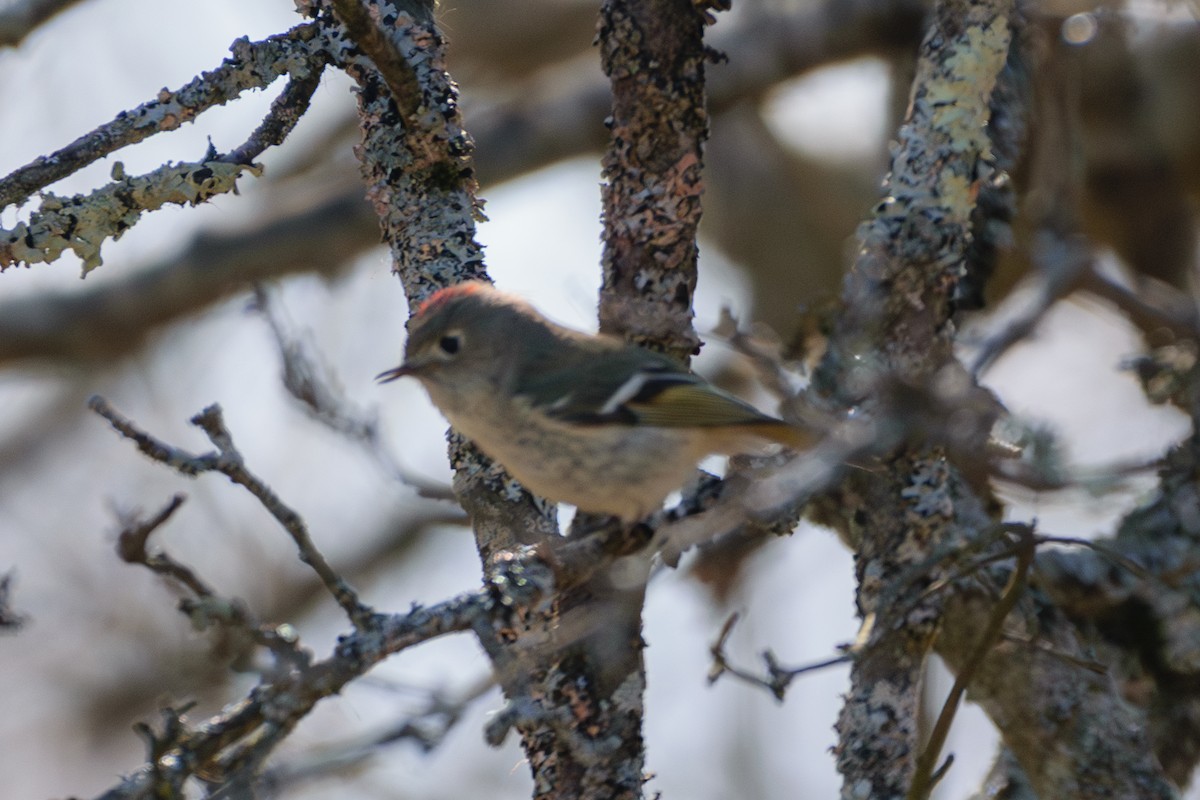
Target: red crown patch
x=443, y=296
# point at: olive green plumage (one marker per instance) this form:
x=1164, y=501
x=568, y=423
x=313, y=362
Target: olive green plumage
x=578, y=418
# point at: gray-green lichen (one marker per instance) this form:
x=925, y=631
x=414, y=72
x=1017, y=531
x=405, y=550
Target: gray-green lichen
x=83, y=223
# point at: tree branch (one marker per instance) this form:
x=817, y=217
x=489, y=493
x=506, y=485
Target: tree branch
x=228, y=461
x=254, y=65
x=84, y=223
x=246, y=731
x=894, y=327
x=115, y=318
x=227, y=749
x=653, y=53
x=546, y=120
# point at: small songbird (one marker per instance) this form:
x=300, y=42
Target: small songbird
x=578, y=418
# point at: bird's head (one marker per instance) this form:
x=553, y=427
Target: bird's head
x=463, y=338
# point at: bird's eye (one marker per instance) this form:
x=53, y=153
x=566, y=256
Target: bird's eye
x=449, y=344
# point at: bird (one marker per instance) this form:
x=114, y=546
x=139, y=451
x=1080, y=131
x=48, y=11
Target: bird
x=585, y=419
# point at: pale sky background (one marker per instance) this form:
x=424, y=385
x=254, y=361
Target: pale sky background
x=56, y=525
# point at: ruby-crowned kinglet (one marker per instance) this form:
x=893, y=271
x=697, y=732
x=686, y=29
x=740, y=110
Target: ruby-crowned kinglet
x=578, y=418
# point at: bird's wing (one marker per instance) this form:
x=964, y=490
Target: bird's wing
x=635, y=388
x=691, y=404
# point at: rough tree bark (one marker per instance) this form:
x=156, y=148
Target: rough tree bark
x=1086, y=659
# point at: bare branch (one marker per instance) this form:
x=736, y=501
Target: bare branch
x=229, y=746
x=778, y=677
x=286, y=110
x=180, y=460
x=1060, y=255
x=246, y=731
x=84, y=223
x=205, y=607
x=925, y=778
x=312, y=382
x=1102, y=749
x=131, y=547
x=895, y=326
x=228, y=461
x=427, y=728
x=254, y=65
x=1149, y=304
x=420, y=177
x=212, y=422
x=653, y=54
x=1061, y=267
x=112, y=319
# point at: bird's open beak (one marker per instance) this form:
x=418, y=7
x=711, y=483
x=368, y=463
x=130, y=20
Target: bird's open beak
x=387, y=376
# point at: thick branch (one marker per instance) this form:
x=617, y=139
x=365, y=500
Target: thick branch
x=1134, y=597
x=897, y=305
x=1072, y=732
x=420, y=182
x=653, y=53
x=418, y=170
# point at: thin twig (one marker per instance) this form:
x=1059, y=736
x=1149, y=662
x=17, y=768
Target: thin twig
x=309, y=379
x=205, y=606
x=229, y=462
x=925, y=777
x=1031, y=476
x=1106, y=551
x=427, y=727
x=178, y=459
x=1059, y=273
x=1090, y=665
x=1150, y=304
x=778, y=678
x=131, y=547
x=212, y=422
